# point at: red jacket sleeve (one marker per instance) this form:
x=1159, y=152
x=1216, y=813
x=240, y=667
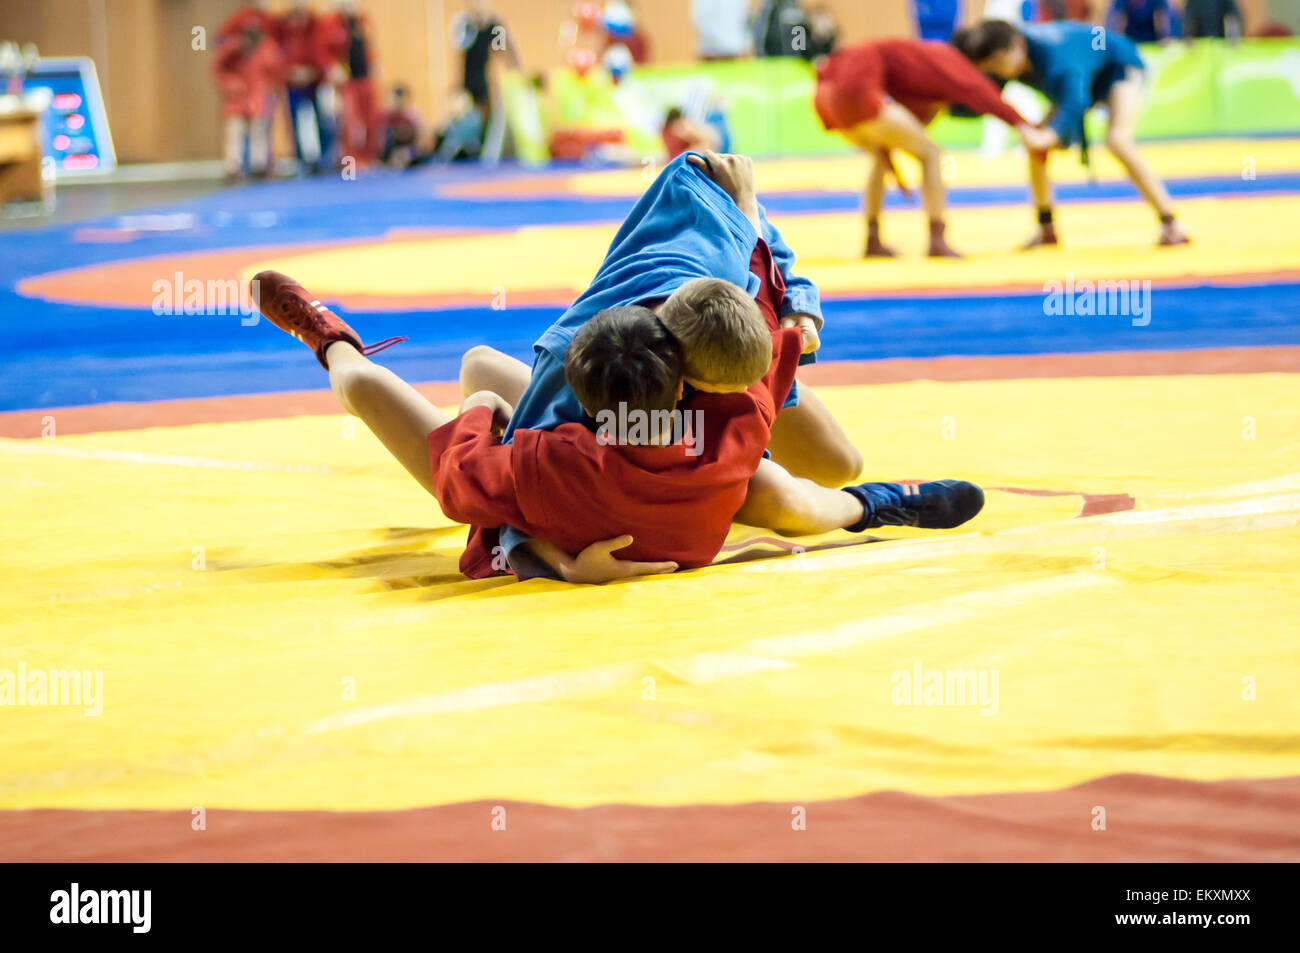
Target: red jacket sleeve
x=972, y=88
x=473, y=476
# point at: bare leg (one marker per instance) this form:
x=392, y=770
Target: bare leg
x=794, y=506
x=398, y=414
x=236, y=127
x=1125, y=102
x=485, y=368
x=874, y=201
x=897, y=128
x=1039, y=183
x=259, y=145
x=1041, y=187
x=809, y=442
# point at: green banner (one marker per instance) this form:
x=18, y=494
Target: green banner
x=1205, y=88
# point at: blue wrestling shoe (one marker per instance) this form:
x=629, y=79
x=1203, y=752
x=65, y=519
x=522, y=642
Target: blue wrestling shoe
x=942, y=504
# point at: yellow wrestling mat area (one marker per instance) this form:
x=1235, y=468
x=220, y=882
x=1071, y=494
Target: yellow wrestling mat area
x=276, y=613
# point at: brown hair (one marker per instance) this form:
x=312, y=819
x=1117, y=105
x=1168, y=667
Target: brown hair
x=626, y=356
x=981, y=41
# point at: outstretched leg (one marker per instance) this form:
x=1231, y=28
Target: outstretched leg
x=398, y=414
x=794, y=506
x=395, y=412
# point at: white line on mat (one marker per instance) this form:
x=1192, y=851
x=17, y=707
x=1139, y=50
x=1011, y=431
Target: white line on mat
x=764, y=654
x=45, y=449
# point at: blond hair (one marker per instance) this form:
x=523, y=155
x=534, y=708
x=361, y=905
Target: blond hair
x=725, y=341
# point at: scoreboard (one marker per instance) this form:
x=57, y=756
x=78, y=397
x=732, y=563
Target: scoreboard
x=75, y=128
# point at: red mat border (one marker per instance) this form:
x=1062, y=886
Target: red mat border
x=26, y=424
x=1147, y=818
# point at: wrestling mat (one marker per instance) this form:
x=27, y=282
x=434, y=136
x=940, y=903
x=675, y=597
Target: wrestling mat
x=281, y=661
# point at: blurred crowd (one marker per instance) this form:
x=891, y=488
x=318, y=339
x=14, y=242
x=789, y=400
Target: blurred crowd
x=731, y=29
x=320, y=67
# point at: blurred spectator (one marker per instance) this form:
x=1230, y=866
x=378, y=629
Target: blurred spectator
x=1219, y=18
x=478, y=33
x=618, y=62
x=721, y=28
x=1142, y=21
x=619, y=20
x=232, y=28
x=349, y=42
x=249, y=73
x=461, y=136
x=1013, y=11
x=822, y=32
x=301, y=40
x=782, y=29
x=680, y=134
x=400, y=130
x=1049, y=10
x=937, y=19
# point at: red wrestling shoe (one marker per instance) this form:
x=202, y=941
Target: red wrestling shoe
x=1045, y=237
x=1171, y=233
x=877, y=249
x=939, y=247
x=288, y=306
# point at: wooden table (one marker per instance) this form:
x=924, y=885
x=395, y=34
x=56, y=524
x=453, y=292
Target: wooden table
x=20, y=156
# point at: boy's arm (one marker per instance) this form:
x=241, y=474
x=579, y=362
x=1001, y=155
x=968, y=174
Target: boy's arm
x=801, y=295
x=1070, y=89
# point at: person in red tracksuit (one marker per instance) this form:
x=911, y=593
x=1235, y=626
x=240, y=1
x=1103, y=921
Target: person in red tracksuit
x=881, y=95
x=348, y=43
x=300, y=37
x=249, y=73
x=253, y=14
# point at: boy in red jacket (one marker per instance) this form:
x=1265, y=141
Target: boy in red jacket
x=249, y=73
x=348, y=42
x=301, y=40
x=881, y=95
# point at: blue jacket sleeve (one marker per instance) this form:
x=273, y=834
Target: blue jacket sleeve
x=1071, y=90
x=548, y=401
x=801, y=295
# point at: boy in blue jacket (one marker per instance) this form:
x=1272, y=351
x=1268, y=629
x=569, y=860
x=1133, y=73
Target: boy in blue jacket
x=1076, y=66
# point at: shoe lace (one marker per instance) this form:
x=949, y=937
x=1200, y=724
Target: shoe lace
x=381, y=345
x=303, y=311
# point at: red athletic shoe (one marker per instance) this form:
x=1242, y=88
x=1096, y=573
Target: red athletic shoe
x=1172, y=234
x=878, y=249
x=939, y=247
x=288, y=306
x=1045, y=237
